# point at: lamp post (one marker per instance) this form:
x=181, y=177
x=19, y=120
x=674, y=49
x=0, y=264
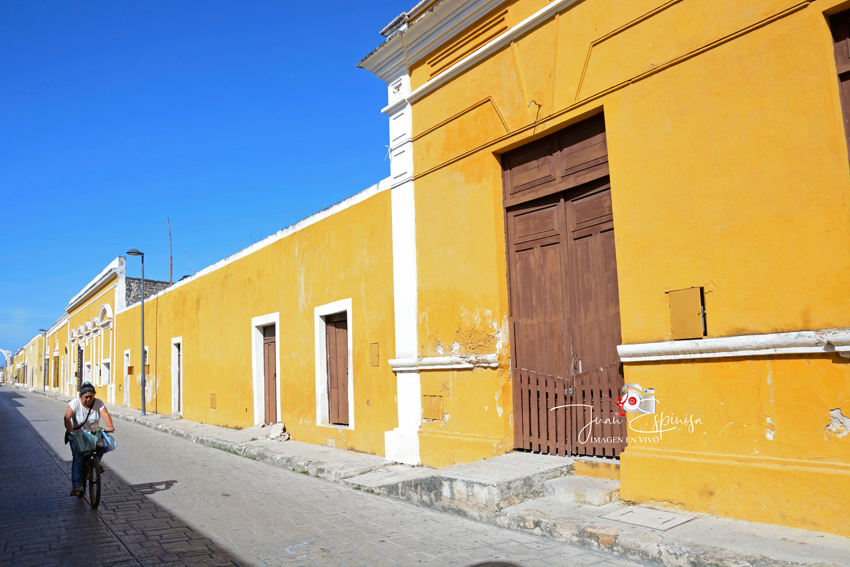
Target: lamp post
x=134, y=252
x=44, y=361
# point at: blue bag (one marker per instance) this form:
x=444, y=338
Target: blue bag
x=84, y=443
x=105, y=442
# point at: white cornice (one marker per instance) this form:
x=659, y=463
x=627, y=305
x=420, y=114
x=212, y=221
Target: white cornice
x=423, y=35
x=394, y=106
x=116, y=268
x=457, y=362
x=798, y=342
x=485, y=51
x=57, y=325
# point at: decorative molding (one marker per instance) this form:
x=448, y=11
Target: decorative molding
x=116, y=268
x=494, y=45
x=423, y=35
x=797, y=342
x=457, y=362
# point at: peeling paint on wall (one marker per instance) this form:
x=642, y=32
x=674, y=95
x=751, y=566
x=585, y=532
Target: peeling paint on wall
x=839, y=425
x=770, y=430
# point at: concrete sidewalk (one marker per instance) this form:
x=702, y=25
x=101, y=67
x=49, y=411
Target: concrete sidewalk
x=531, y=493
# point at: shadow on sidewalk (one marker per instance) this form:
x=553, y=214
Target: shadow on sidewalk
x=42, y=525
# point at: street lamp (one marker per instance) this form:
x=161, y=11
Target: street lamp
x=134, y=252
x=44, y=368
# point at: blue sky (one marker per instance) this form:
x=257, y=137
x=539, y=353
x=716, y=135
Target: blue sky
x=233, y=119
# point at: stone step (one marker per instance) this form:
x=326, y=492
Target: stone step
x=479, y=490
x=583, y=490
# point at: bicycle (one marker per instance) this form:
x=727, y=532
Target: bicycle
x=91, y=475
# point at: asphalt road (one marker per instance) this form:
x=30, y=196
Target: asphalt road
x=168, y=501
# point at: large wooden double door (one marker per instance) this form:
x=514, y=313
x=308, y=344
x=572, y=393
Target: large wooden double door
x=565, y=315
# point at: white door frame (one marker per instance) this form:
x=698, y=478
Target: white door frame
x=319, y=314
x=257, y=366
x=177, y=375
x=126, y=378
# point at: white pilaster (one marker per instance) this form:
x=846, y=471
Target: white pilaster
x=402, y=443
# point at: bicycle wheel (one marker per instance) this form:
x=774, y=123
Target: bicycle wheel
x=94, y=481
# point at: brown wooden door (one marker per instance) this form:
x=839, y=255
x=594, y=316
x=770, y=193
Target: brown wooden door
x=595, y=321
x=540, y=363
x=337, y=353
x=270, y=372
x=565, y=319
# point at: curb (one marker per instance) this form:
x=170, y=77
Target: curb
x=313, y=468
x=647, y=548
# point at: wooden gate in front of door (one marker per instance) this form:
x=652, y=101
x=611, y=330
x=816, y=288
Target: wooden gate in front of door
x=565, y=314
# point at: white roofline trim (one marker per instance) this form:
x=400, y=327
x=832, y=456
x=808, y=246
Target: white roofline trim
x=355, y=199
x=57, y=325
x=797, y=342
x=117, y=268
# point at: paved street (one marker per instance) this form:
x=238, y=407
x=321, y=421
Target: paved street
x=167, y=501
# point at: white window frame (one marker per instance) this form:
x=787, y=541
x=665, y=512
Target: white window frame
x=257, y=366
x=175, y=372
x=106, y=363
x=319, y=313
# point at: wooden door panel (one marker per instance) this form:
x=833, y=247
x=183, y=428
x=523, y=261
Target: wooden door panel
x=342, y=371
x=610, y=294
x=269, y=373
x=337, y=352
x=536, y=224
x=531, y=168
x=540, y=354
x=553, y=340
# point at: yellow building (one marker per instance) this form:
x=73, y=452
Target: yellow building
x=648, y=192
x=57, y=354
x=296, y=328
x=32, y=362
x=91, y=332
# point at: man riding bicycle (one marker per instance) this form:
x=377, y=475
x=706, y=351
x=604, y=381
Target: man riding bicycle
x=84, y=414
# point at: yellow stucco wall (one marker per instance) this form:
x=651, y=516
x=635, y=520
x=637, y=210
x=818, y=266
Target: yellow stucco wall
x=57, y=351
x=97, y=344
x=729, y=170
x=346, y=255
x=33, y=357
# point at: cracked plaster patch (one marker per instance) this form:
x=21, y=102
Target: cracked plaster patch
x=839, y=425
x=770, y=430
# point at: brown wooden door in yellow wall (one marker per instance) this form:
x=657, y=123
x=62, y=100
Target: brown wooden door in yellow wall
x=595, y=319
x=270, y=373
x=336, y=327
x=564, y=300
x=55, y=371
x=540, y=368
